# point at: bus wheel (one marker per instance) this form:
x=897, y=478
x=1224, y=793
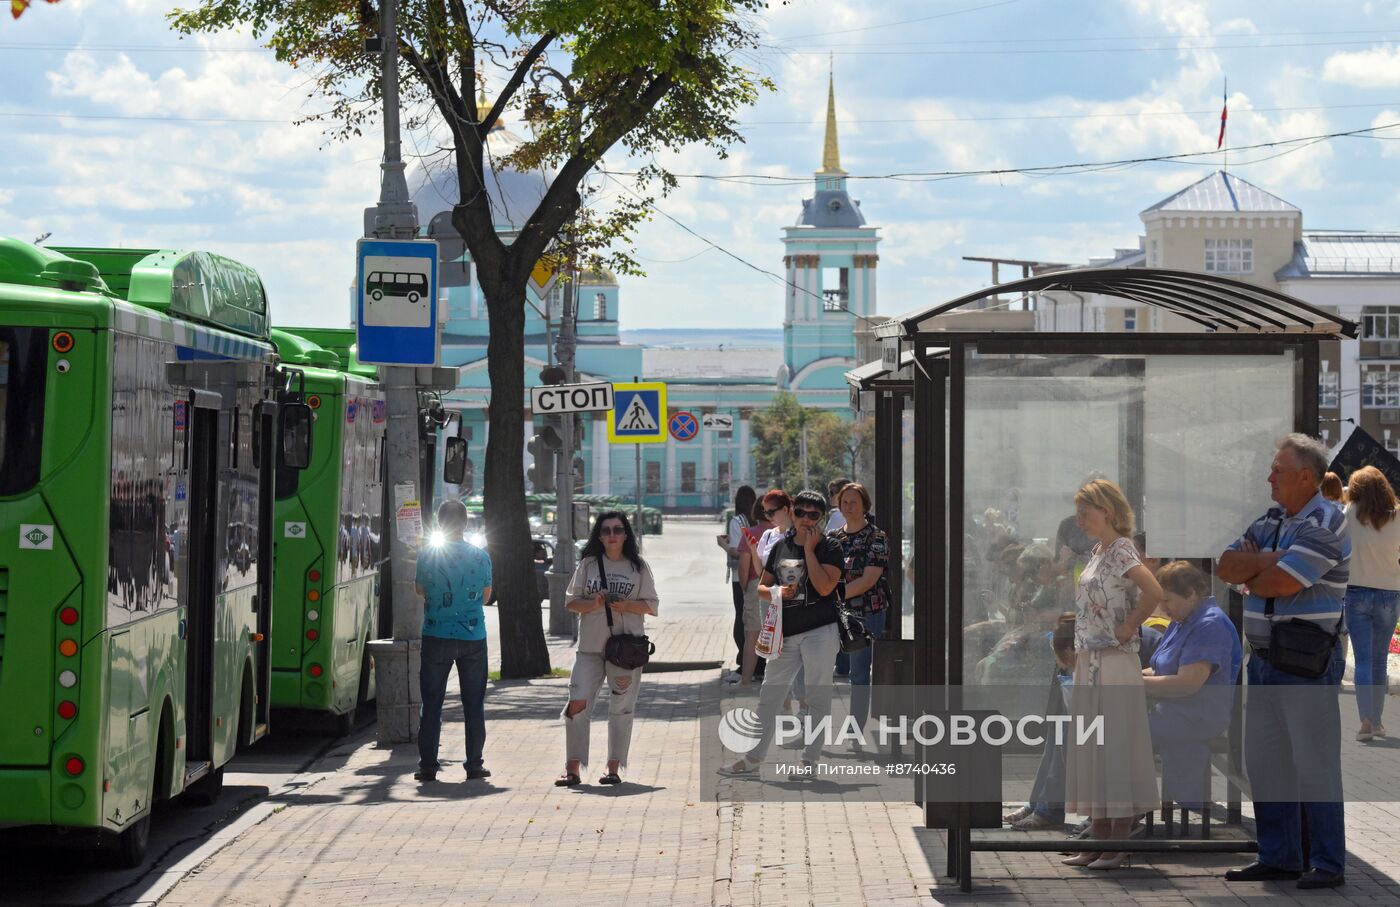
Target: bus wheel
x=129, y=850
x=205, y=791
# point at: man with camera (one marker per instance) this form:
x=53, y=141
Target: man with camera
x=1294, y=564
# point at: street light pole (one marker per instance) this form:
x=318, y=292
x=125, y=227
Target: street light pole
x=395, y=217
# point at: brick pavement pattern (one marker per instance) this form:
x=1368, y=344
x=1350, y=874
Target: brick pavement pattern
x=362, y=831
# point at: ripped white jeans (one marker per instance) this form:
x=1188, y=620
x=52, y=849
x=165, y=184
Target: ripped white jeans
x=590, y=670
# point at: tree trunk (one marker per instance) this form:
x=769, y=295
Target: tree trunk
x=523, y=649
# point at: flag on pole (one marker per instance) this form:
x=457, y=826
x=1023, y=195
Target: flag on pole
x=1224, y=112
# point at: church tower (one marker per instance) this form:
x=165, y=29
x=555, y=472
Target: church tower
x=830, y=261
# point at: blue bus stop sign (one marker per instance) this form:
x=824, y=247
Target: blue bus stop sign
x=396, y=288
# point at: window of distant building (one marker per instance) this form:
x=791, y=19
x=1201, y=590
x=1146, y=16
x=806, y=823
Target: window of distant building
x=1230, y=256
x=600, y=306
x=724, y=477
x=1130, y=319
x=687, y=478
x=1154, y=260
x=1380, y=386
x=1329, y=390
x=653, y=478
x=579, y=485
x=1392, y=445
x=556, y=302
x=1380, y=322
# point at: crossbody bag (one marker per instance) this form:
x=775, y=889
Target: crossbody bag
x=628, y=651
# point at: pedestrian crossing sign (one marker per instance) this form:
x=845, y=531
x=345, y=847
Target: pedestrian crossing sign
x=639, y=414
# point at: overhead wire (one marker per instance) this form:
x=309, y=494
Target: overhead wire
x=759, y=179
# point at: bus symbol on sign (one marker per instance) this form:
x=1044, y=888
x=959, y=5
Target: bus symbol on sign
x=36, y=537
x=412, y=287
x=294, y=530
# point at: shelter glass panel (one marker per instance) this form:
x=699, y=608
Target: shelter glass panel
x=1188, y=439
x=907, y=516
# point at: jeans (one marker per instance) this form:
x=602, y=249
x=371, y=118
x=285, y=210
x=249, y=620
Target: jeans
x=590, y=670
x=1286, y=743
x=1048, y=789
x=738, y=592
x=814, y=650
x=439, y=655
x=1371, y=617
x=860, y=668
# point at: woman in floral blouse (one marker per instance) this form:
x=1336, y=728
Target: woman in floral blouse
x=867, y=554
x=1111, y=783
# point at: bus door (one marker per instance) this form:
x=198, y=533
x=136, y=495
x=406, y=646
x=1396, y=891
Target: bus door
x=267, y=471
x=203, y=565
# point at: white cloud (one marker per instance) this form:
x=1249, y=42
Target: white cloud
x=1378, y=67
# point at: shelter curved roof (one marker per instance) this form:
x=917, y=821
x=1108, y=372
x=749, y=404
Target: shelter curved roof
x=1214, y=302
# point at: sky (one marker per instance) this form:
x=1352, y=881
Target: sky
x=116, y=132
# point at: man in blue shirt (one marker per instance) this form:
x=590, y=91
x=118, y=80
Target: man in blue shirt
x=1297, y=556
x=454, y=578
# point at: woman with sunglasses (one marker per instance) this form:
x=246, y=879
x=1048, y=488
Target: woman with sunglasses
x=750, y=568
x=611, y=575
x=803, y=571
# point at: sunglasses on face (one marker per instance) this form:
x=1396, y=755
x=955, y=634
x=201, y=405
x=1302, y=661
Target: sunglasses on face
x=775, y=511
x=807, y=514
x=612, y=530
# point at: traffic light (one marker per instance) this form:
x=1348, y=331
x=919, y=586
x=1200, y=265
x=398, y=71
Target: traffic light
x=542, y=447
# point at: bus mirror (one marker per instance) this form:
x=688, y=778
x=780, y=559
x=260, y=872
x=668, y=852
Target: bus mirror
x=454, y=461
x=296, y=435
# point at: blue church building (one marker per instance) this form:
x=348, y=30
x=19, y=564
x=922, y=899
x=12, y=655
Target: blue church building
x=829, y=257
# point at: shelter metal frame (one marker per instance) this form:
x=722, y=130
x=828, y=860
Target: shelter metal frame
x=1239, y=318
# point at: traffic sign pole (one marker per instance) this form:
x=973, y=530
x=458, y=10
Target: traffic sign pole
x=395, y=218
x=561, y=622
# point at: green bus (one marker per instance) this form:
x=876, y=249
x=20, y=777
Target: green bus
x=328, y=525
x=140, y=432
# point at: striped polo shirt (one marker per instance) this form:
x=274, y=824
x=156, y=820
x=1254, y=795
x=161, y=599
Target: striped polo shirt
x=1319, y=553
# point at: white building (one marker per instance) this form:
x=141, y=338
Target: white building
x=1225, y=225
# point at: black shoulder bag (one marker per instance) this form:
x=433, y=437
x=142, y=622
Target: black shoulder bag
x=625, y=650
x=1299, y=647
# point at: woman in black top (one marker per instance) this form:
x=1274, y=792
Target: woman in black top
x=867, y=553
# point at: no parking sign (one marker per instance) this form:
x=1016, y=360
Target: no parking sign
x=684, y=426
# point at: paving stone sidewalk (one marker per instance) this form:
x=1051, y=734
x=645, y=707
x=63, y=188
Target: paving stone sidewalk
x=362, y=831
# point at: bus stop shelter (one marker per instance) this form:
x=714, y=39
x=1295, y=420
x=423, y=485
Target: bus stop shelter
x=1007, y=425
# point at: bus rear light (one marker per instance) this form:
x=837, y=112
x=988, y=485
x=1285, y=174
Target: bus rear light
x=67, y=709
x=68, y=616
x=74, y=766
x=67, y=679
x=62, y=342
x=312, y=635
x=68, y=648
x=313, y=614
x=313, y=595
x=314, y=671
x=314, y=576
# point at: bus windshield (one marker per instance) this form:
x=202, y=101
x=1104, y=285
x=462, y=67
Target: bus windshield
x=23, y=366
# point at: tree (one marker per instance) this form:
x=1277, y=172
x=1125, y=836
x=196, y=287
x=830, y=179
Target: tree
x=639, y=75
x=778, y=432
x=17, y=7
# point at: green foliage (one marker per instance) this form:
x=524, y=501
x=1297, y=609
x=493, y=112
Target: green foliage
x=589, y=76
x=831, y=444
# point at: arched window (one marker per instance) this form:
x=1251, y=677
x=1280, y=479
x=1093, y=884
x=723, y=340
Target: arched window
x=600, y=306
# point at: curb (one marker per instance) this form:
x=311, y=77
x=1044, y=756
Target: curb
x=270, y=805
x=671, y=667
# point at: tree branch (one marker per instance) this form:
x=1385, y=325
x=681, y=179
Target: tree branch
x=516, y=78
